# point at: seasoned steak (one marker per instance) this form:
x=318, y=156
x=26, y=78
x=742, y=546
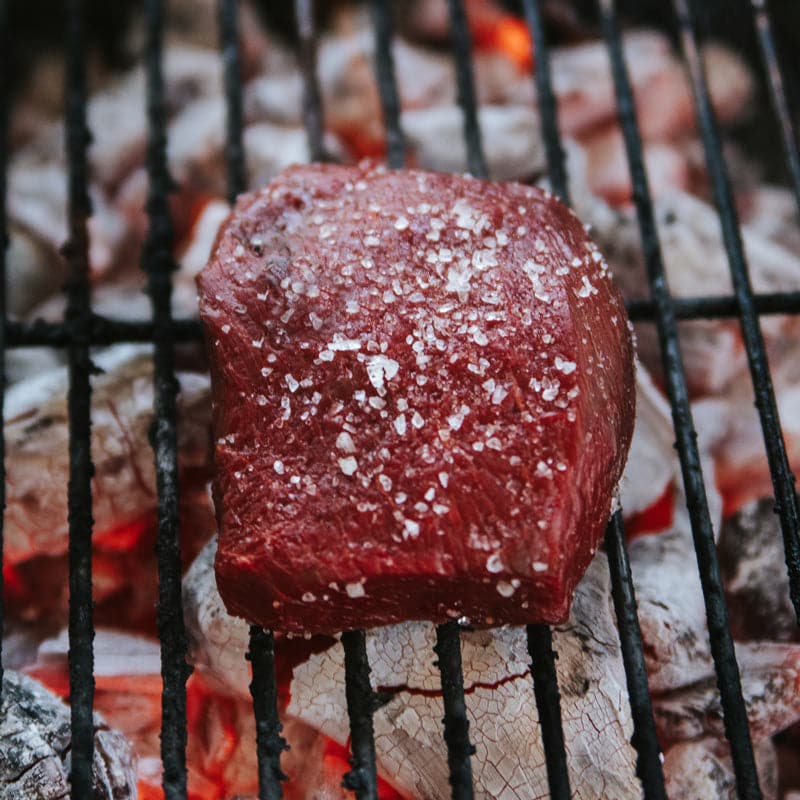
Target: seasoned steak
x=423, y=400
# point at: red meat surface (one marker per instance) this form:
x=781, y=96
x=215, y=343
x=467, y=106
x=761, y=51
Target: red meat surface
x=423, y=400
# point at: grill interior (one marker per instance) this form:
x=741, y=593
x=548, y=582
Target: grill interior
x=81, y=329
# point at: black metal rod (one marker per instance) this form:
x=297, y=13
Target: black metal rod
x=462, y=49
x=547, y=696
x=106, y=331
x=644, y=739
x=261, y=654
x=548, y=704
x=79, y=502
x=363, y=777
x=735, y=714
x=231, y=58
x=312, y=96
x=548, y=111
x=387, y=83
x=783, y=482
x=777, y=93
x=158, y=263
x=264, y=691
x=4, y=104
x=456, y=724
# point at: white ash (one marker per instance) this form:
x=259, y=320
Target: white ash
x=770, y=674
x=669, y=596
x=217, y=641
x=509, y=762
x=35, y=737
x=703, y=770
x=511, y=136
x=754, y=572
x=651, y=459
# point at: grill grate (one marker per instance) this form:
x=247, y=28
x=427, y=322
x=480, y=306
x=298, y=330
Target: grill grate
x=79, y=498
x=81, y=329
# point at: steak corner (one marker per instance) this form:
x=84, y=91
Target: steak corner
x=423, y=400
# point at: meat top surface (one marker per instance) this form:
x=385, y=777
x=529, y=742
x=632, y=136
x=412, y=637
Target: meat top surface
x=423, y=399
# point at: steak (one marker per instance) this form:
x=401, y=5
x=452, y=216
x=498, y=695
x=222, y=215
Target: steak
x=423, y=398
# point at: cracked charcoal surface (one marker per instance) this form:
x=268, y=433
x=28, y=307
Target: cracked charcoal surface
x=509, y=763
x=34, y=747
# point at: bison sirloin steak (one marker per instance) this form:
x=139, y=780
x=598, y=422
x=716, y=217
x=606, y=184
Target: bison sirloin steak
x=423, y=400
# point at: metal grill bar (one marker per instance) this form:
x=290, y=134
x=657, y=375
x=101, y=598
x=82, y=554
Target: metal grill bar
x=312, y=97
x=456, y=725
x=229, y=45
x=462, y=50
x=735, y=715
x=4, y=102
x=539, y=637
x=548, y=111
x=448, y=643
x=79, y=498
x=777, y=92
x=363, y=777
x=548, y=704
x=158, y=263
x=387, y=84
x=786, y=505
x=644, y=740
x=261, y=653
x=264, y=691
x=106, y=331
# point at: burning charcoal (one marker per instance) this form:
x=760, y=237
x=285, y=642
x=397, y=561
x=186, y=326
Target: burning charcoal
x=217, y=640
x=742, y=468
x=696, y=264
x=124, y=484
x=772, y=211
x=702, y=770
x=509, y=761
x=34, y=747
x=651, y=460
x=770, y=685
x=756, y=581
x=512, y=141
x=37, y=209
x=669, y=595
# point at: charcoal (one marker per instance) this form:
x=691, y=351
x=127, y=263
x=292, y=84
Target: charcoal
x=754, y=572
x=35, y=747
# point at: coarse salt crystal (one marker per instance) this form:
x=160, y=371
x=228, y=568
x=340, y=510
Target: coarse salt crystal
x=494, y=563
x=344, y=441
x=505, y=589
x=278, y=467
x=355, y=589
x=566, y=367
x=411, y=528
x=400, y=424
x=348, y=465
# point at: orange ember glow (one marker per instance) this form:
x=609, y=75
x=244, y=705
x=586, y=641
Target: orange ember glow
x=654, y=519
x=492, y=29
x=337, y=762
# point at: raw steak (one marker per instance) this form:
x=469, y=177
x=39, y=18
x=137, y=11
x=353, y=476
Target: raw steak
x=423, y=400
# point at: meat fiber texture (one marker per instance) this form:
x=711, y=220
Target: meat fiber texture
x=423, y=400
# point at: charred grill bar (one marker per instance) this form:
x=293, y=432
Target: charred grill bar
x=158, y=263
x=4, y=91
x=81, y=329
x=79, y=497
x=736, y=726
